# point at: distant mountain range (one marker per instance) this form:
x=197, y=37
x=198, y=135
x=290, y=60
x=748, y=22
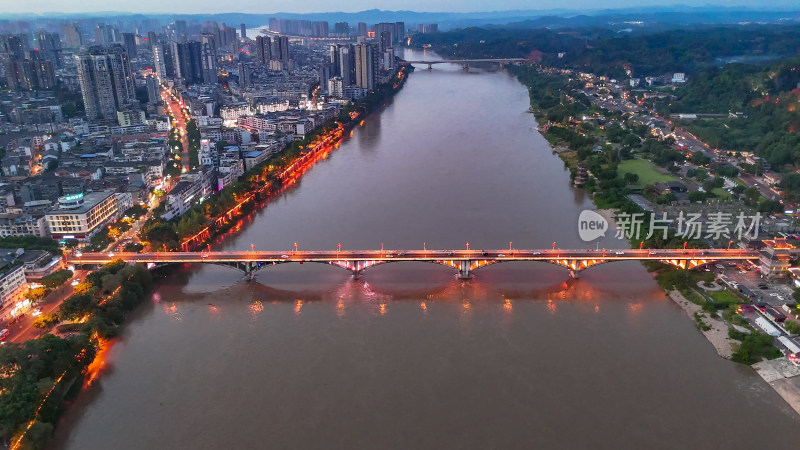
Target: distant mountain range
x=554, y=18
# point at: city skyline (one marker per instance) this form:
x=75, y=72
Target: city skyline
x=320, y=6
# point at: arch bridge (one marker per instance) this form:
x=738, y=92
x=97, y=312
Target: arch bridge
x=466, y=62
x=464, y=261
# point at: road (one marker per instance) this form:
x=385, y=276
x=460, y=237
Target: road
x=22, y=329
x=178, y=112
x=419, y=255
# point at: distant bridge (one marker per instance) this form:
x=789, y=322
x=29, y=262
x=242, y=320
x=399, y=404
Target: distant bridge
x=466, y=62
x=464, y=261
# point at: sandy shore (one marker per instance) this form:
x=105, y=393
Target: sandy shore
x=717, y=335
x=608, y=214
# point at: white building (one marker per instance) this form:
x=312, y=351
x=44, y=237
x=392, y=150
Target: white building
x=181, y=198
x=233, y=112
x=80, y=216
x=12, y=284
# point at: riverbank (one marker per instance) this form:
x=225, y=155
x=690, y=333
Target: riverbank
x=784, y=377
x=717, y=334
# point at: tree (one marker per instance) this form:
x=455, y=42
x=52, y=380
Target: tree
x=56, y=279
x=631, y=178
x=37, y=294
x=751, y=195
x=770, y=207
x=46, y=321
x=697, y=196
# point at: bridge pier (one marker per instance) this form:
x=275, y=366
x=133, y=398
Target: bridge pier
x=356, y=275
x=463, y=271
x=430, y=66
x=465, y=67
x=574, y=274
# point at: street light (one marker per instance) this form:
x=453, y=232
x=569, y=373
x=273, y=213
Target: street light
x=729, y=244
x=295, y=247
x=467, y=246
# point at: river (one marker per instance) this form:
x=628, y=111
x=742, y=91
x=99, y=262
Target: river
x=409, y=356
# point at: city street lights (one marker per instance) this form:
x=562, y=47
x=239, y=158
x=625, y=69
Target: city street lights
x=467, y=246
x=338, y=248
x=295, y=247
x=729, y=244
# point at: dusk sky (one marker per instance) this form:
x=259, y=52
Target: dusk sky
x=307, y=6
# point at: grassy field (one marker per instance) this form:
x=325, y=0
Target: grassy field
x=723, y=297
x=648, y=174
x=722, y=193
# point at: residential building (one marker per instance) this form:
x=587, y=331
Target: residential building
x=12, y=282
x=181, y=198
x=106, y=81
x=366, y=65
x=23, y=224
x=40, y=263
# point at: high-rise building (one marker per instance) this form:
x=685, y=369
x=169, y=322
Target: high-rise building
x=341, y=29
x=106, y=81
x=263, y=49
x=346, y=65
x=209, y=58
x=180, y=30
x=16, y=45
x=187, y=57
x=129, y=42
x=244, y=74
x=153, y=89
x=333, y=51
x=280, y=49
x=366, y=65
x=320, y=29
x=400, y=31
x=160, y=61
x=48, y=46
x=243, y=31
x=385, y=39
x=31, y=74
x=152, y=39
x=362, y=29
x=72, y=36
x=386, y=27
x=226, y=36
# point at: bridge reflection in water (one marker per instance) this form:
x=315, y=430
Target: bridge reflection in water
x=464, y=261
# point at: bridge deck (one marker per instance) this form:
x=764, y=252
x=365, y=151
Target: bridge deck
x=418, y=255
